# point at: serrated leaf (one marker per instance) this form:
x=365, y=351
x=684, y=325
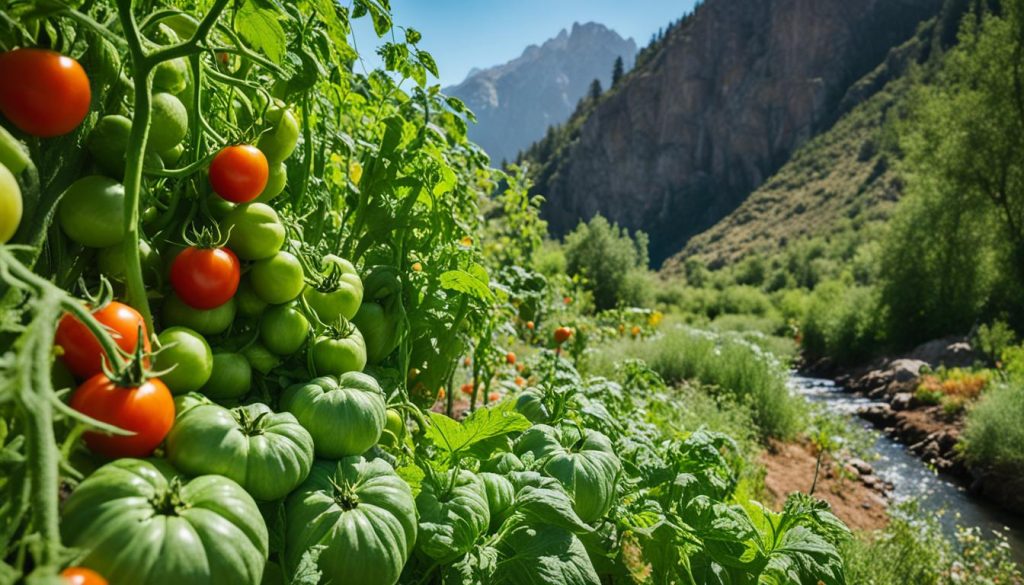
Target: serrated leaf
x=308, y=573
x=803, y=557
x=427, y=60
x=259, y=24
x=412, y=475
x=464, y=282
x=476, y=568
x=483, y=424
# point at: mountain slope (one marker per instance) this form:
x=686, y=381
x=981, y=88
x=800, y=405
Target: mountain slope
x=720, y=105
x=516, y=102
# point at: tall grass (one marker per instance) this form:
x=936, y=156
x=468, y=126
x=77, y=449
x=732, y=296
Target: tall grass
x=734, y=368
x=994, y=435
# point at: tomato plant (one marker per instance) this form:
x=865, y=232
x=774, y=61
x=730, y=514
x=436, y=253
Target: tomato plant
x=205, y=278
x=51, y=96
x=10, y=204
x=185, y=358
x=277, y=279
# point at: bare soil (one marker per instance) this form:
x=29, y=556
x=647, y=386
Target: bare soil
x=790, y=468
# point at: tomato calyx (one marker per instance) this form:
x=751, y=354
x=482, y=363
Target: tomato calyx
x=169, y=502
x=135, y=371
x=252, y=426
x=206, y=238
x=345, y=496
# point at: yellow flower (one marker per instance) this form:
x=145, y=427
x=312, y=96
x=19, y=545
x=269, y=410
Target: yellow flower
x=466, y=241
x=654, y=319
x=355, y=171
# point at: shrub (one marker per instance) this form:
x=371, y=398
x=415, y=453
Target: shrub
x=994, y=436
x=743, y=300
x=842, y=322
x=607, y=257
x=993, y=338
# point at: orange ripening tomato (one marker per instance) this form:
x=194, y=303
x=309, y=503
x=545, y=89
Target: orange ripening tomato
x=567, y=300
x=82, y=576
x=510, y=357
x=520, y=381
x=239, y=173
x=529, y=325
x=467, y=361
x=467, y=389
x=635, y=330
x=147, y=410
x=520, y=367
x=44, y=93
x=417, y=267
x=82, y=351
x=441, y=393
x=493, y=397
x=205, y=278
x=562, y=334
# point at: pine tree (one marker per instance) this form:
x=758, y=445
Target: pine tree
x=617, y=71
x=595, y=90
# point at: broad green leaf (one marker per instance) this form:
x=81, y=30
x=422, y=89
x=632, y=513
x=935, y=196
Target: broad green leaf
x=483, y=424
x=259, y=23
x=412, y=475
x=476, y=568
x=543, y=554
x=803, y=557
x=464, y=282
x=549, y=506
x=427, y=60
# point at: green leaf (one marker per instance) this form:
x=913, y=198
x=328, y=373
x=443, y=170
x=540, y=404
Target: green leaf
x=476, y=568
x=803, y=557
x=412, y=36
x=466, y=283
x=427, y=60
x=412, y=475
x=259, y=23
x=483, y=424
x=308, y=573
x=549, y=506
x=380, y=12
x=544, y=554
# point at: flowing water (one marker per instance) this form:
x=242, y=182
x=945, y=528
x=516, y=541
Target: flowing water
x=911, y=478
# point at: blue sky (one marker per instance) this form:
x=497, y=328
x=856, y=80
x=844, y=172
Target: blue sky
x=462, y=34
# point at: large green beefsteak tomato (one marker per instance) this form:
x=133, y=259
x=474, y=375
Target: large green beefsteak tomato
x=586, y=466
x=362, y=512
x=345, y=415
x=452, y=515
x=339, y=294
x=135, y=525
x=267, y=453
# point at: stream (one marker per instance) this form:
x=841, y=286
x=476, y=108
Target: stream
x=910, y=477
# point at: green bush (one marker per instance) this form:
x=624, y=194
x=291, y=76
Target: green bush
x=992, y=339
x=842, y=323
x=743, y=300
x=994, y=436
x=740, y=371
x=607, y=258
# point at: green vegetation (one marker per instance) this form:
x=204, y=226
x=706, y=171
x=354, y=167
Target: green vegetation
x=994, y=436
x=611, y=264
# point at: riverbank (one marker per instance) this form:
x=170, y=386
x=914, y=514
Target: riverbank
x=929, y=431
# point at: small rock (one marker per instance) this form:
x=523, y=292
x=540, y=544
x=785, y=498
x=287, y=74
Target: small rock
x=862, y=467
x=871, y=481
x=906, y=370
x=902, y=401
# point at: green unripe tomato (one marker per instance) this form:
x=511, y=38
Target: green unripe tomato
x=169, y=124
x=278, y=279
x=172, y=156
x=333, y=355
x=10, y=204
x=13, y=153
x=206, y=322
x=91, y=211
x=341, y=293
x=182, y=24
x=231, y=377
x=283, y=329
x=171, y=76
x=279, y=141
x=276, y=182
x=249, y=303
x=255, y=231
x=111, y=261
x=108, y=146
x=190, y=357
x=260, y=358
x=218, y=207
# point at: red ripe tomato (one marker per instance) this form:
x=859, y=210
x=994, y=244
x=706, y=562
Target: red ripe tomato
x=520, y=381
x=562, y=334
x=510, y=357
x=205, y=278
x=82, y=351
x=148, y=410
x=82, y=576
x=467, y=389
x=239, y=173
x=44, y=93
x=529, y=325
x=493, y=397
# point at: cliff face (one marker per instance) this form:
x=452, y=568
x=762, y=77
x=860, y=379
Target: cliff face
x=516, y=102
x=717, y=108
